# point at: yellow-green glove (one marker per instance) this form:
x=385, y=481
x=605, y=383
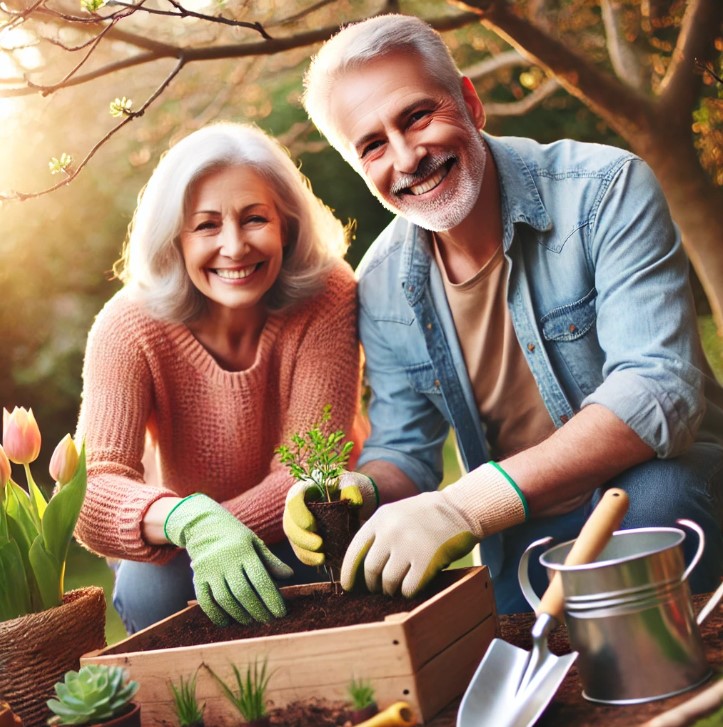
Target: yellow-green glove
x=300, y=525
x=406, y=543
x=229, y=562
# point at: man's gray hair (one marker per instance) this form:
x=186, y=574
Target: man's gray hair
x=152, y=264
x=365, y=41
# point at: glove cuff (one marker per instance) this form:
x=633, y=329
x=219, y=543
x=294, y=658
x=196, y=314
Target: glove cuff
x=488, y=499
x=174, y=531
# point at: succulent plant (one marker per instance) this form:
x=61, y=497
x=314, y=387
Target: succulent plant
x=94, y=693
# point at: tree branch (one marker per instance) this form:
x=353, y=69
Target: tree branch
x=701, y=25
x=619, y=105
x=623, y=57
x=21, y=196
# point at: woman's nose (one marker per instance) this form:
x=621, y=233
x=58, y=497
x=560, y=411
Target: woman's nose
x=233, y=242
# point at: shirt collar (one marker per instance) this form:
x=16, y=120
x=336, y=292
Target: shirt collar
x=521, y=202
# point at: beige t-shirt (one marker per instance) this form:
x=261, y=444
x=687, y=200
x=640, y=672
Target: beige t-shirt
x=507, y=396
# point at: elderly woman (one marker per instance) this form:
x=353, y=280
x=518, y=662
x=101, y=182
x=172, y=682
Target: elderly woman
x=236, y=325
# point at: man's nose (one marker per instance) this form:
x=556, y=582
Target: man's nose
x=407, y=154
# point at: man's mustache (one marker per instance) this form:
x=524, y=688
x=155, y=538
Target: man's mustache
x=427, y=166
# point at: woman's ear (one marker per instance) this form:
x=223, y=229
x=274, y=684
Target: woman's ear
x=473, y=103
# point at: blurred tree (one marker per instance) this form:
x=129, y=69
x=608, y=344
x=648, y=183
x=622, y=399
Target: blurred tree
x=621, y=72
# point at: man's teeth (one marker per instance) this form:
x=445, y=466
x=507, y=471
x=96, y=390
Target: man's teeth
x=235, y=274
x=429, y=182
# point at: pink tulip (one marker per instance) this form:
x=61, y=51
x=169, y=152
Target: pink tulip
x=4, y=468
x=64, y=461
x=21, y=435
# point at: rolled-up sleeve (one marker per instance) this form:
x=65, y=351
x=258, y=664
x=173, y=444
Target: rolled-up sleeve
x=645, y=314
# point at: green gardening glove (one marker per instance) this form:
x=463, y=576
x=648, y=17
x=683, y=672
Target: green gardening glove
x=406, y=543
x=300, y=525
x=229, y=562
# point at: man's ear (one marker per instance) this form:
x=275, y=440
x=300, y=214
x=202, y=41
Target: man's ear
x=473, y=103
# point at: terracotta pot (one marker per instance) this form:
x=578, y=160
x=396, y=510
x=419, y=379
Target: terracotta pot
x=131, y=718
x=37, y=649
x=8, y=718
x=356, y=716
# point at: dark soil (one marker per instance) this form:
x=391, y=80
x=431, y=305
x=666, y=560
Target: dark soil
x=311, y=713
x=321, y=609
x=337, y=523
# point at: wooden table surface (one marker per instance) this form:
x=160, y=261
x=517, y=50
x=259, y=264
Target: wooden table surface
x=569, y=707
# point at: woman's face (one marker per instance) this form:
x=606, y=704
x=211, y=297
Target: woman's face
x=232, y=238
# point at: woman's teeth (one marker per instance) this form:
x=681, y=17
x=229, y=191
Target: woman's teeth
x=237, y=274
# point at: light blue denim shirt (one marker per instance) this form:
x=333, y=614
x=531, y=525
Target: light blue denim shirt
x=599, y=298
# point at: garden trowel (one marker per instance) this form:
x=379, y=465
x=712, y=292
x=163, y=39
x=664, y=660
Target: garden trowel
x=511, y=686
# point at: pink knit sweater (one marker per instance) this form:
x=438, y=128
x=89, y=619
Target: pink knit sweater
x=215, y=430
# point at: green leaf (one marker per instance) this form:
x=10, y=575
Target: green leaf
x=14, y=595
x=62, y=512
x=38, y=502
x=48, y=574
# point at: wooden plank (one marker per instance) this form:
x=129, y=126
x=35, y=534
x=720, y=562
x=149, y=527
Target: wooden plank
x=446, y=676
x=425, y=657
x=449, y=615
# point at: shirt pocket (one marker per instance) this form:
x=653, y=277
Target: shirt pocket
x=423, y=379
x=570, y=334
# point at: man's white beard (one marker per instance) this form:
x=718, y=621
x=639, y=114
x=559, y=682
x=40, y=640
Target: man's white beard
x=450, y=209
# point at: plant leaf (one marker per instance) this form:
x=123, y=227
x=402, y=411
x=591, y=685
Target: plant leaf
x=62, y=512
x=15, y=594
x=48, y=574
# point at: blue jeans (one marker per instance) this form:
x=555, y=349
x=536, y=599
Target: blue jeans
x=145, y=593
x=661, y=491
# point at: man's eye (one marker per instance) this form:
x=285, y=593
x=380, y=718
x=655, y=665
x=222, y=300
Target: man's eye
x=370, y=148
x=417, y=115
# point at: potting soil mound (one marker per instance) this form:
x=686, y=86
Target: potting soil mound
x=310, y=612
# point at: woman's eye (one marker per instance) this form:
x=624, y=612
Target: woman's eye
x=205, y=225
x=257, y=219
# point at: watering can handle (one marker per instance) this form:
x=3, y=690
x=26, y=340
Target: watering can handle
x=701, y=545
x=604, y=520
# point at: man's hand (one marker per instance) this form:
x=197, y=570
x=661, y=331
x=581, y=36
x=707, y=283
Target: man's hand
x=406, y=543
x=300, y=525
x=229, y=562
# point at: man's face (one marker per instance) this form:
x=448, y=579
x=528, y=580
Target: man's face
x=420, y=153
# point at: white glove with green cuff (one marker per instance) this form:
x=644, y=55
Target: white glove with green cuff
x=229, y=562
x=406, y=543
x=300, y=525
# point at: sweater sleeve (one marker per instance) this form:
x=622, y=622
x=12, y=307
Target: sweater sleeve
x=115, y=409
x=321, y=349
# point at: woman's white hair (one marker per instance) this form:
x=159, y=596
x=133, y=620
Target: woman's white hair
x=360, y=43
x=152, y=265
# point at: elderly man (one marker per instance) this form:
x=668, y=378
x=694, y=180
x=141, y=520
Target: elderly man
x=533, y=297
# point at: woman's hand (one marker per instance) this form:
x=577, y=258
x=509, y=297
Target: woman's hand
x=230, y=563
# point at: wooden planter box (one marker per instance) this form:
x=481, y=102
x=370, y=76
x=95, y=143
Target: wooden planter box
x=425, y=656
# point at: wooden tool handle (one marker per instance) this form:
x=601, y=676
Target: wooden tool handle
x=604, y=520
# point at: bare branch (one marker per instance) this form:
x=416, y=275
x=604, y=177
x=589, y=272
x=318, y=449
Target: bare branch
x=623, y=56
x=701, y=25
x=21, y=196
x=621, y=106
x=489, y=66
x=530, y=101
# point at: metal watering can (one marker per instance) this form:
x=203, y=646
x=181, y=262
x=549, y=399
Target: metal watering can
x=629, y=614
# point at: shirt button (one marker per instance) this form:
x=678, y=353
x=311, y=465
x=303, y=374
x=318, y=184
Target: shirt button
x=436, y=383
x=429, y=326
x=530, y=347
x=564, y=419
x=410, y=288
x=572, y=328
